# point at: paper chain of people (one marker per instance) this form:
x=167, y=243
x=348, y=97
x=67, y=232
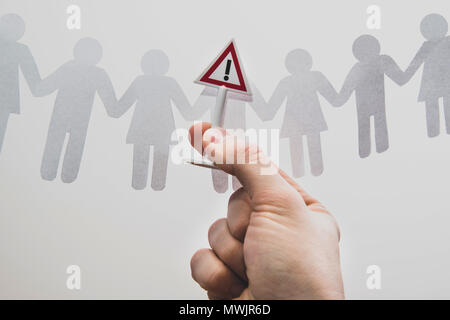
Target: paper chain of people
x=77, y=81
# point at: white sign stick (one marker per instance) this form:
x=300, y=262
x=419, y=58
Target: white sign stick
x=219, y=110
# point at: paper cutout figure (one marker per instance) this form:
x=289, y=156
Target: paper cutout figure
x=434, y=55
x=153, y=121
x=12, y=56
x=76, y=83
x=234, y=118
x=366, y=79
x=303, y=115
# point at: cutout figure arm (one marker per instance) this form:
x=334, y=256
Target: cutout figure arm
x=275, y=102
x=417, y=61
x=107, y=94
x=201, y=105
x=30, y=70
x=326, y=89
x=258, y=104
x=348, y=87
x=50, y=84
x=393, y=71
x=126, y=101
x=182, y=103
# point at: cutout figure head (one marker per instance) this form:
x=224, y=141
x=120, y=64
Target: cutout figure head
x=298, y=61
x=88, y=51
x=434, y=27
x=366, y=48
x=155, y=62
x=12, y=27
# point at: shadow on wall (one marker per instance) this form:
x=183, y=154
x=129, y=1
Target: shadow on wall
x=78, y=81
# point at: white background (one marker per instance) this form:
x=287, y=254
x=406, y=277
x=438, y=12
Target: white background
x=393, y=207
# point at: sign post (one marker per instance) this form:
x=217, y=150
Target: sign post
x=219, y=111
x=225, y=73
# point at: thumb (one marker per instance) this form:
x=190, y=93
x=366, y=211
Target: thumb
x=234, y=155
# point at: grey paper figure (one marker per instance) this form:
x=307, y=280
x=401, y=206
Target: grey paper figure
x=234, y=118
x=303, y=116
x=153, y=122
x=366, y=79
x=434, y=55
x=12, y=56
x=76, y=83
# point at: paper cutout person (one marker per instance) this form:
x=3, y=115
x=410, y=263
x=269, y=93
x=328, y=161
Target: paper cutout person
x=303, y=116
x=366, y=79
x=12, y=56
x=153, y=122
x=234, y=118
x=434, y=55
x=76, y=83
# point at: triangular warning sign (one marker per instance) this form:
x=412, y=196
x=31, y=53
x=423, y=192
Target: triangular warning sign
x=226, y=71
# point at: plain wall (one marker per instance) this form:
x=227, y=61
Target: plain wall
x=392, y=207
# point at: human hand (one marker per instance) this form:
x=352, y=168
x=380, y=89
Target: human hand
x=277, y=242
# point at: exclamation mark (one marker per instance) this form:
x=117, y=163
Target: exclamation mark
x=227, y=70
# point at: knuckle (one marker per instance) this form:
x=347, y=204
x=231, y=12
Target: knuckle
x=207, y=278
x=269, y=199
x=239, y=194
x=197, y=256
x=195, y=261
x=214, y=279
x=238, y=228
x=214, y=229
x=238, y=215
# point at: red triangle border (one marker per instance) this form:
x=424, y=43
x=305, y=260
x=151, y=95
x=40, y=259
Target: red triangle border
x=206, y=77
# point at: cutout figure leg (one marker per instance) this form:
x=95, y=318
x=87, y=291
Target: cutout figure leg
x=73, y=156
x=160, y=162
x=364, y=135
x=297, y=156
x=141, y=155
x=236, y=183
x=315, y=154
x=220, y=181
x=447, y=113
x=432, y=111
x=4, y=117
x=52, y=151
x=381, y=132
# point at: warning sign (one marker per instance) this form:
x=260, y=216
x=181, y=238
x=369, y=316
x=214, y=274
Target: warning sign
x=226, y=71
